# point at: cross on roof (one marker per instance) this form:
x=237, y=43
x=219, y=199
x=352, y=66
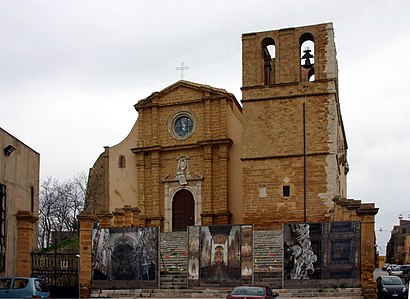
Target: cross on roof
x=182, y=68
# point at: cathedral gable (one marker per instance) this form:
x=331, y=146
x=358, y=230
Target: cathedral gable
x=181, y=92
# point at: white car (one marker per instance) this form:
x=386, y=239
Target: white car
x=395, y=270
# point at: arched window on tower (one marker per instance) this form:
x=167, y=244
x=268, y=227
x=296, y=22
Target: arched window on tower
x=268, y=52
x=307, y=57
x=121, y=161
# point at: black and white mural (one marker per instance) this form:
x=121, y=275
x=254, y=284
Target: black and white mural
x=328, y=250
x=299, y=254
x=121, y=255
x=220, y=255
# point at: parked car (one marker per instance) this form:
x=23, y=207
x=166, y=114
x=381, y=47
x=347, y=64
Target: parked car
x=252, y=292
x=405, y=272
x=395, y=270
x=405, y=267
x=384, y=268
x=23, y=287
x=390, y=266
x=391, y=287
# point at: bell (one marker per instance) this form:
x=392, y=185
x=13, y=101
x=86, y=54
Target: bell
x=307, y=54
x=307, y=64
x=307, y=57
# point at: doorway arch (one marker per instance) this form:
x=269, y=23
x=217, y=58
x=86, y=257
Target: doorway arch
x=183, y=210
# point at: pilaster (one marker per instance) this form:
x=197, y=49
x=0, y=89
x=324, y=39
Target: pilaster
x=86, y=225
x=25, y=245
x=367, y=263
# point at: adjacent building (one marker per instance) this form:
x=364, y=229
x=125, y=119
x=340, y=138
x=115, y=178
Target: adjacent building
x=398, y=247
x=19, y=201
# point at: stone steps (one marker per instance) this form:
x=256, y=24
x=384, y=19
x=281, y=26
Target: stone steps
x=174, y=251
x=267, y=253
x=349, y=293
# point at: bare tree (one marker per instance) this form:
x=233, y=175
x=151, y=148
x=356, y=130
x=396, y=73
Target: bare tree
x=60, y=203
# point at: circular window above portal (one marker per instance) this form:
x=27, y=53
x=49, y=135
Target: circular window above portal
x=182, y=125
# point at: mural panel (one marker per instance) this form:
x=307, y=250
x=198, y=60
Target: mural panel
x=220, y=255
x=322, y=251
x=124, y=256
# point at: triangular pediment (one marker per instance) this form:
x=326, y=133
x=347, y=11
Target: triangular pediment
x=182, y=92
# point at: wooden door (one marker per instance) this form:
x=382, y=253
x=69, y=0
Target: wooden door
x=183, y=210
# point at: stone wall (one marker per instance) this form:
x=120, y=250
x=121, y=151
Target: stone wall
x=293, y=129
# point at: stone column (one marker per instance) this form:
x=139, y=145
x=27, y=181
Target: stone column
x=135, y=217
x=118, y=217
x=25, y=243
x=367, y=263
x=86, y=225
x=207, y=209
x=127, y=216
x=105, y=220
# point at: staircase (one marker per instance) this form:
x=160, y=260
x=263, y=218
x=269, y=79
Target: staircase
x=268, y=252
x=174, y=253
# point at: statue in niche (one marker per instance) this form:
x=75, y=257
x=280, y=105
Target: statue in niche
x=183, y=170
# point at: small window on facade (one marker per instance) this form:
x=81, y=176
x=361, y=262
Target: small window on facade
x=286, y=191
x=121, y=162
x=32, y=198
x=3, y=230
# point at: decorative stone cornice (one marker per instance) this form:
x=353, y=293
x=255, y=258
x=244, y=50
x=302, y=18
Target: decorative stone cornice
x=26, y=216
x=367, y=209
x=86, y=217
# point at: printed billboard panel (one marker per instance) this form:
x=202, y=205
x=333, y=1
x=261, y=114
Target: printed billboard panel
x=220, y=255
x=125, y=256
x=325, y=251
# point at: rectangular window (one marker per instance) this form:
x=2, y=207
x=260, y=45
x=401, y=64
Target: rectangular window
x=2, y=226
x=286, y=191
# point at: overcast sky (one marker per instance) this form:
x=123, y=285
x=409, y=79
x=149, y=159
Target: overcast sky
x=71, y=71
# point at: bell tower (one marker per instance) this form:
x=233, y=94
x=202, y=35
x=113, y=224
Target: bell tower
x=294, y=145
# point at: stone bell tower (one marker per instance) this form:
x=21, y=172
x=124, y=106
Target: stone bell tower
x=294, y=145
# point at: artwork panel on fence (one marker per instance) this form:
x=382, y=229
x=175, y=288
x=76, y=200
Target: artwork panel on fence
x=125, y=254
x=220, y=255
x=328, y=250
x=193, y=253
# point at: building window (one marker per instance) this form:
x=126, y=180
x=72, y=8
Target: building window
x=121, y=161
x=286, y=191
x=182, y=125
x=2, y=227
x=32, y=198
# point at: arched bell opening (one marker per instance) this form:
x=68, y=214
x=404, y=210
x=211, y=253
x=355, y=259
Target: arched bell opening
x=307, y=57
x=269, y=54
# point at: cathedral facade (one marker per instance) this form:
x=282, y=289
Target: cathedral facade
x=197, y=156
x=181, y=163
